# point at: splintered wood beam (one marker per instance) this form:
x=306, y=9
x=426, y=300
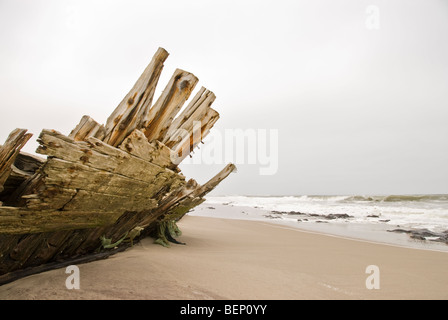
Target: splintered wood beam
x=86, y=128
x=173, y=135
x=195, y=111
x=197, y=133
x=212, y=118
x=130, y=113
x=178, y=203
x=163, y=112
x=10, y=150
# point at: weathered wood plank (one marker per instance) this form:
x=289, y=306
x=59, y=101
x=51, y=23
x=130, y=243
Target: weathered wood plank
x=67, y=174
x=155, y=152
x=130, y=112
x=195, y=111
x=100, y=202
x=9, y=151
x=23, y=221
x=50, y=198
x=96, y=154
x=72, y=186
x=169, y=104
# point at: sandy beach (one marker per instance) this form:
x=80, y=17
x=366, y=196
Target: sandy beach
x=237, y=259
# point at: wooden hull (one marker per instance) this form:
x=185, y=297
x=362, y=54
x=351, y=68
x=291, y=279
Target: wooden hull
x=103, y=187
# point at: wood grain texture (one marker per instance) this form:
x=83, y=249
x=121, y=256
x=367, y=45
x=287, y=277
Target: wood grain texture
x=197, y=133
x=86, y=128
x=25, y=221
x=194, y=112
x=9, y=151
x=155, y=152
x=131, y=112
x=169, y=104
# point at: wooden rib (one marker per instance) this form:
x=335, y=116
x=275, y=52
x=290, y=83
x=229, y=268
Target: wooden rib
x=9, y=151
x=213, y=182
x=130, y=113
x=199, y=131
x=169, y=104
x=195, y=111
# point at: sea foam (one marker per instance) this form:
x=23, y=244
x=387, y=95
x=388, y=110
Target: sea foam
x=409, y=211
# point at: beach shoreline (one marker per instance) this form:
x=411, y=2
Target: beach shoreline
x=375, y=232
x=240, y=259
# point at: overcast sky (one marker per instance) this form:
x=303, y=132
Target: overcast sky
x=356, y=90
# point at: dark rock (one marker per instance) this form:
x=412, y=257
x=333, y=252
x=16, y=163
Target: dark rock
x=399, y=231
x=271, y=216
x=425, y=233
x=422, y=234
x=296, y=213
x=373, y=216
x=333, y=216
x=417, y=237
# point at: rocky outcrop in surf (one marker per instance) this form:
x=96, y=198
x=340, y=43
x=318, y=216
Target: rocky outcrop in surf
x=424, y=234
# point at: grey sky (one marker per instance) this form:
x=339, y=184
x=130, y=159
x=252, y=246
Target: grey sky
x=358, y=111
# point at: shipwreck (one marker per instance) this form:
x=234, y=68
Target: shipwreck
x=103, y=187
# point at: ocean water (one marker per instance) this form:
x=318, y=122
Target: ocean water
x=404, y=211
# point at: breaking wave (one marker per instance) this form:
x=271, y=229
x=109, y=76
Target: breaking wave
x=387, y=198
x=424, y=211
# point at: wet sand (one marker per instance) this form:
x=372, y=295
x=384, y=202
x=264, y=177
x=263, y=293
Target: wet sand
x=237, y=259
